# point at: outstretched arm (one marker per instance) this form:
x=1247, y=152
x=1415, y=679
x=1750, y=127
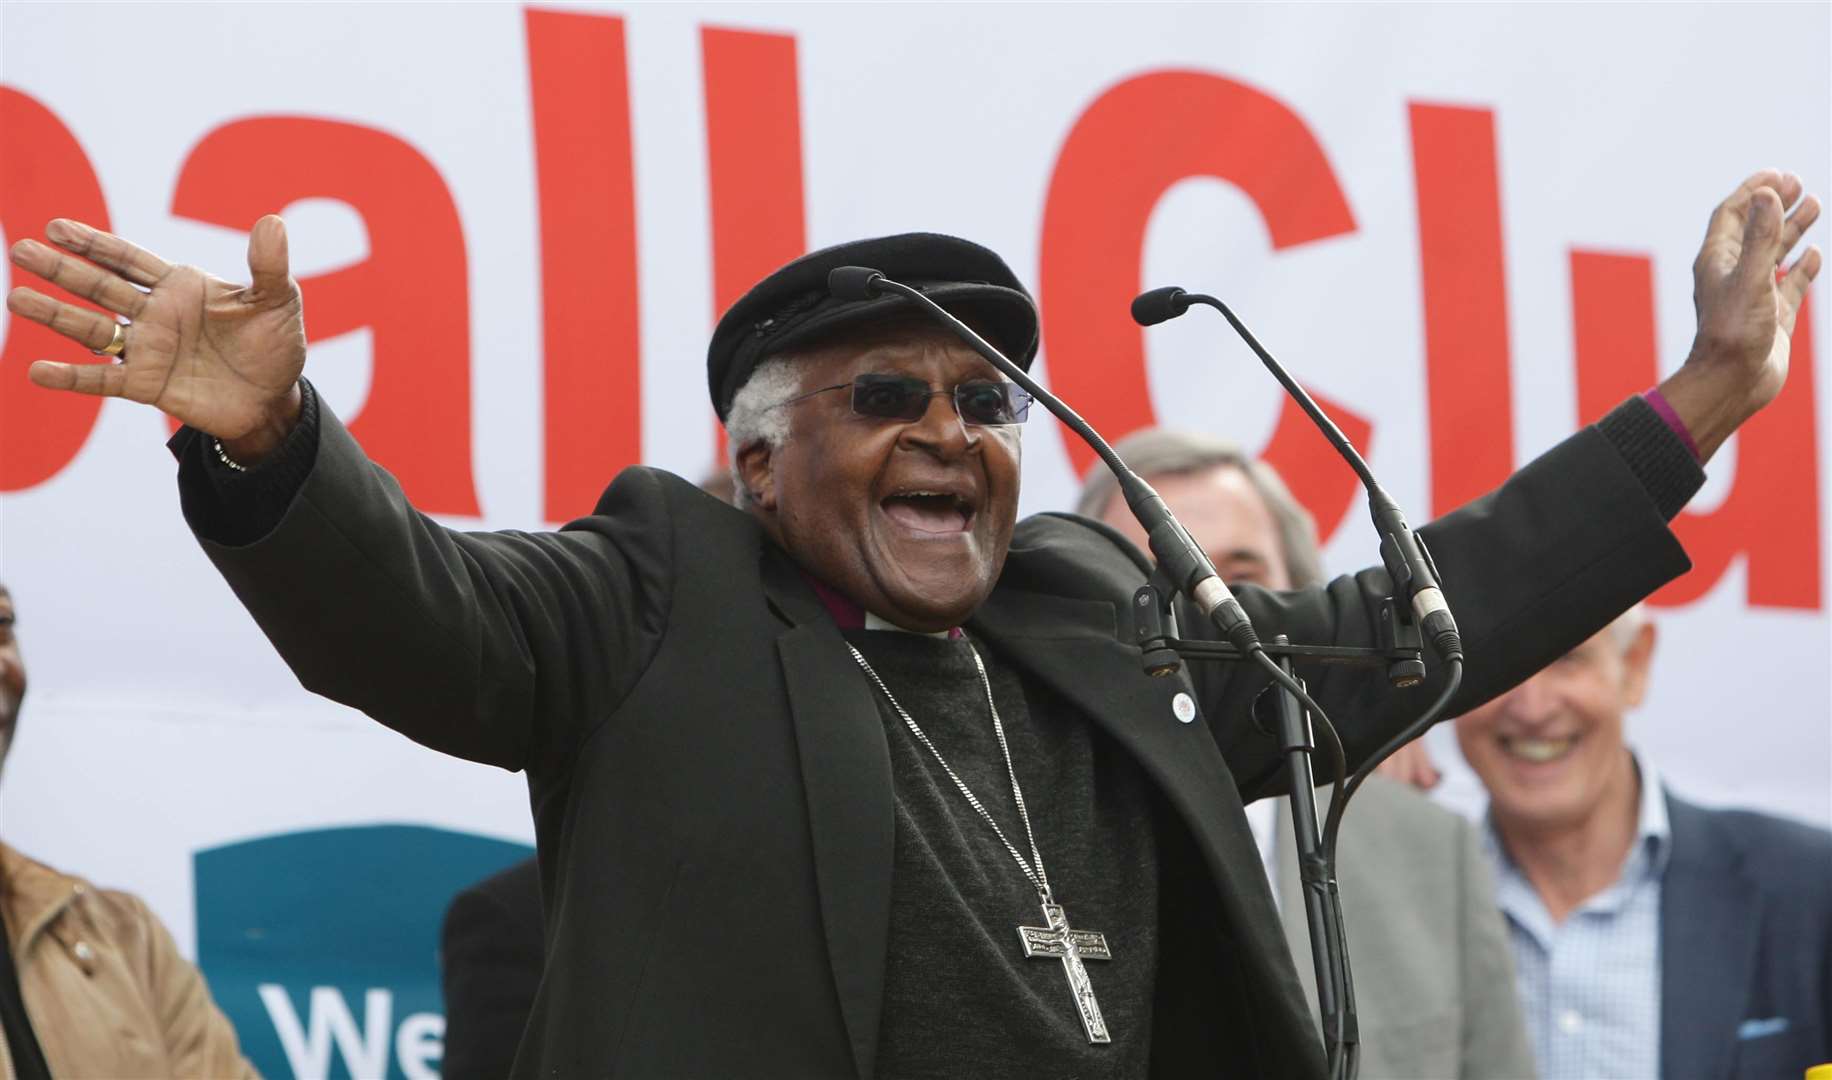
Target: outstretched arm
x=1578, y=535
x=499, y=647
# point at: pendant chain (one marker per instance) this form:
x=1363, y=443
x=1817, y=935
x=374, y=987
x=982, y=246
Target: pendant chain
x=1038, y=879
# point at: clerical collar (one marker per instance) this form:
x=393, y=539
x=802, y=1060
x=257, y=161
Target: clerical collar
x=848, y=615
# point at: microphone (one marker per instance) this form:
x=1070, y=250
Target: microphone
x=1180, y=557
x=1159, y=305
x=853, y=283
x=1405, y=556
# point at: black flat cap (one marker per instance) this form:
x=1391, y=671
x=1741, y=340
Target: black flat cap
x=792, y=306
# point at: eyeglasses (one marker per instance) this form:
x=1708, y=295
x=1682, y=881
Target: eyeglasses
x=905, y=397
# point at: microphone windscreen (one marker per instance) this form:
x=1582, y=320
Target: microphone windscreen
x=1154, y=307
x=852, y=283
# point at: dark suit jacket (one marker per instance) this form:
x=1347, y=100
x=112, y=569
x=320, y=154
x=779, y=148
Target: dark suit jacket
x=490, y=959
x=1745, y=946
x=709, y=775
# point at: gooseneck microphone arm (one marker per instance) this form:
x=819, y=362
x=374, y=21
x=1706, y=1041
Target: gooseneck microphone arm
x=1404, y=554
x=1415, y=576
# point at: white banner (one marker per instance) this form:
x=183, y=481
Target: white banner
x=1470, y=229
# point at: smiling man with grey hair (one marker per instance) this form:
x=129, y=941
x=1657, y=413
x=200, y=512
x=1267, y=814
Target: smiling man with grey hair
x=1652, y=936
x=864, y=780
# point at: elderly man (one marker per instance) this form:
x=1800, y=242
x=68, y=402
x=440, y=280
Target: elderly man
x=91, y=983
x=1651, y=936
x=1433, y=978
x=777, y=836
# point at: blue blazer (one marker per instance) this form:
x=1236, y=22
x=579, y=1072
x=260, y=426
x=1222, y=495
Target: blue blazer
x=1745, y=946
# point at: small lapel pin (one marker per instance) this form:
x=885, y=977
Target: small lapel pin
x=1183, y=706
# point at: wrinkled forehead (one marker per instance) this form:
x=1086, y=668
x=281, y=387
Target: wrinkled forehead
x=900, y=347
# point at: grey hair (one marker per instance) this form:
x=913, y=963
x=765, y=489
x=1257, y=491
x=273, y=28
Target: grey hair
x=1627, y=626
x=1163, y=452
x=755, y=417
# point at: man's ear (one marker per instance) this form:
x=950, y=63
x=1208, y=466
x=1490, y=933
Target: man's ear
x=757, y=473
x=1635, y=664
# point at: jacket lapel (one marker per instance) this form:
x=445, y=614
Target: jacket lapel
x=846, y=778
x=1710, y=926
x=1072, y=645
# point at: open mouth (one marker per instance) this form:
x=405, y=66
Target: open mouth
x=1538, y=751
x=929, y=511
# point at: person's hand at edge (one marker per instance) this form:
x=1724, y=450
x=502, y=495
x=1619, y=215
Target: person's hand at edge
x=1746, y=310
x=220, y=357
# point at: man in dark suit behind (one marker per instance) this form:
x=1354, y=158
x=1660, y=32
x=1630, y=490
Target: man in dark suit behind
x=1647, y=931
x=490, y=958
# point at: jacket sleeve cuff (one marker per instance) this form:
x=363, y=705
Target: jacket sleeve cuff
x=235, y=508
x=1655, y=453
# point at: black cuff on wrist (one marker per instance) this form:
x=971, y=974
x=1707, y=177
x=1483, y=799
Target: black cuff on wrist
x=1655, y=453
x=235, y=508
x=282, y=472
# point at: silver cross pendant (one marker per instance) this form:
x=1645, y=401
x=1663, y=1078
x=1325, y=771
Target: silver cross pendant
x=1057, y=941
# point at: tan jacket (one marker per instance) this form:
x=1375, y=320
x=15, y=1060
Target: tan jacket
x=106, y=990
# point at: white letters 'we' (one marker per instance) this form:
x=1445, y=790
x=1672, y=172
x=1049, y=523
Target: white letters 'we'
x=417, y=1044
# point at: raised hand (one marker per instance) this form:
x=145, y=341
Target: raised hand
x=221, y=357
x=1746, y=310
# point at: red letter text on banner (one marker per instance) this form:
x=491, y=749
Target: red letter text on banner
x=412, y=292
x=1167, y=126
x=1469, y=399
x=753, y=160
x=590, y=334
x=46, y=175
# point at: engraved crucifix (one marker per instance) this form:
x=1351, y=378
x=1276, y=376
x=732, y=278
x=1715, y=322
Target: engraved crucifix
x=1072, y=947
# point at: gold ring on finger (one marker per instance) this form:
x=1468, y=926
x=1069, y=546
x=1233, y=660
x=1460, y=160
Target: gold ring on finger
x=116, y=343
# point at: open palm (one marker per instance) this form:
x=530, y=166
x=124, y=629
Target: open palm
x=1746, y=310
x=221, y=357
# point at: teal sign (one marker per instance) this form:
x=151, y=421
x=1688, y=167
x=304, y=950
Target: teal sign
x=323, y=946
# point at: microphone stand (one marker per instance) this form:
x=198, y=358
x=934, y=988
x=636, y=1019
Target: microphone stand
x=1400, y=651
x=1402, y=627
x=1163, y=652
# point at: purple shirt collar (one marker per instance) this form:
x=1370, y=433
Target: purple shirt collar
x=847, y=614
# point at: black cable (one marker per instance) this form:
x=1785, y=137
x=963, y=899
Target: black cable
x=1321, y=722
x=1417, y=728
